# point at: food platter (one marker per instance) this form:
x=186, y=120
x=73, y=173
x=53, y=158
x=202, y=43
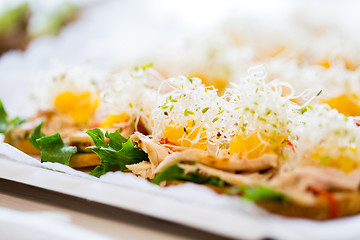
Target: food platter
x=242, y=220
x=276, y=118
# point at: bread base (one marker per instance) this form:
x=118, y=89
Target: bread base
x=347, y=204
x=78, y=160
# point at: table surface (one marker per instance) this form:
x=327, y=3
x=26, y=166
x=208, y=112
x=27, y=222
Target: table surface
x=109, y=221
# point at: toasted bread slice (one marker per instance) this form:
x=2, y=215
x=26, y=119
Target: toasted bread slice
x=72, y=134
x=83, y=160
x=78, y=160
x=345, y=204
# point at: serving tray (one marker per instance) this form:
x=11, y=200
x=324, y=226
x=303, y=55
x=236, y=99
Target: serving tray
x=240, y=220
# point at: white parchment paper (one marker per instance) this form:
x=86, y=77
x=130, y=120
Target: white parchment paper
x=119, y=33
x=199, y=206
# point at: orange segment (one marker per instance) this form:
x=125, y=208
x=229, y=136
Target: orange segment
x=174, y=134
x=324, y=63
x=218, y=82
x=344, y=162
x=250, y=146
x=81, y=106
x=349, y=65
x=112, y=120
x=347, y=104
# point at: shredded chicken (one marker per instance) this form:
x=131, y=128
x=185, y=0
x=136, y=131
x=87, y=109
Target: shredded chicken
x=297, y=182
x=231, y=178
x=142, y=169
x=324, y=178
x=54, y=121
x=72, y=133
x=227, y=163
x=155, y=151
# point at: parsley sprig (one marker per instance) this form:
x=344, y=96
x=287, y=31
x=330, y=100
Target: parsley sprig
x=117, y=154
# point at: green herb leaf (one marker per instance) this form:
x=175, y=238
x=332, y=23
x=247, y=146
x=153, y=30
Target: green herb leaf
x=12, y=19
x=257, y=193
x=57, y=19
x=3, y=119
x=36, y=134
x=175, y=172
x=17, y=121
x=116, y=140
x=117, y=154
x=6, y=124
x=98, y=171
x=53, y=149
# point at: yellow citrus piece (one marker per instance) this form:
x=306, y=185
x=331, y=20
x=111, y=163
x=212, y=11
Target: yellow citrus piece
x=250, y=146
x=325, y=63
x=80, y=106
x=344, y=162
x=220, y=83
x=349, y=65
x=174, y=134
x=347, y=104
x=112, y=120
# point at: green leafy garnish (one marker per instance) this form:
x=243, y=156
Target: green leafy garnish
x=117, y=154
x=3, y=119
x=52, y=148
x=6, y=124
x=36, y=134
x=257, y=193
x=12, y=19
x=57, y=19
x=175, y=172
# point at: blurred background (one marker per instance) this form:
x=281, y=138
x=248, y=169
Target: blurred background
x=215, y=40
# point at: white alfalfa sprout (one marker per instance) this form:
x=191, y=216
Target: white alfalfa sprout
x=130, y=92
x=59, y=79
x=329, y=130
x=191, y=103
x=338, y=80
x=263, y=108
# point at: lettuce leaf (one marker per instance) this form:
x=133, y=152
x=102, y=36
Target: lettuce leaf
x=117, y=154
x=175, y=172
x=52, y=148
x=257, y=193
